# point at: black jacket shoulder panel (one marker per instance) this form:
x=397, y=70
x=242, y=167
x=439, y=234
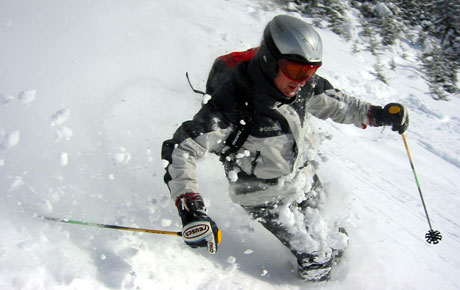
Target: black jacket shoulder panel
x=322, y=85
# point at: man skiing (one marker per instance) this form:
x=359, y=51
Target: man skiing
x=263, y=105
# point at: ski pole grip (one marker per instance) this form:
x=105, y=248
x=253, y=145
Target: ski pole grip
x=219, y=237
x=394, y=110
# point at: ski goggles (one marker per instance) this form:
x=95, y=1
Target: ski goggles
x=297, y=71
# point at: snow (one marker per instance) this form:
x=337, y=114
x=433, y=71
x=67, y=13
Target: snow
x=63, y=133
x=59, y=117
x=231, y=260
x=5, y=99
x=27, y=96
x=101, y=84
x=64, y=159
x=206, y=98
x=9, y=140
x=382, y=10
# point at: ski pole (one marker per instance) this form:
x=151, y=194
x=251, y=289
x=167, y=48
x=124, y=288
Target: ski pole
x=432, y=236
x=67, y=221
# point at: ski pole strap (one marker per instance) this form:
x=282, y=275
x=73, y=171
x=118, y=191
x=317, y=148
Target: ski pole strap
x=193, y=89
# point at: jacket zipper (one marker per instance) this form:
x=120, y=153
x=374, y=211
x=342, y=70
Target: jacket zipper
x=254, y=162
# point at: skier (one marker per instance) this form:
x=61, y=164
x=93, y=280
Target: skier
x=274, y=91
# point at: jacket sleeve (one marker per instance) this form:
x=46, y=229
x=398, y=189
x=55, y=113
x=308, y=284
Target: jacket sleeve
x=330, y=103
x=206, y=132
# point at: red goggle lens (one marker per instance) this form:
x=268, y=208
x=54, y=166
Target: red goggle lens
x=297, y=71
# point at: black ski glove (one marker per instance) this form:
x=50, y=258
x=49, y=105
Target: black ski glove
x=198, y=230
x=393, y=114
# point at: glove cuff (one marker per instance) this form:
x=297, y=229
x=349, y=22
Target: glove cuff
x=188, y=199
x=375, y=116
x=190, y=207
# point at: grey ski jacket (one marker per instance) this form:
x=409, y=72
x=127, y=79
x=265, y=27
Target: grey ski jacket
x=275, y=160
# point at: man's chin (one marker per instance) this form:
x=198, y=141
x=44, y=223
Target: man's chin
x=290, y=94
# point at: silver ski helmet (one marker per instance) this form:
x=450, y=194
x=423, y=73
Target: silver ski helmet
x=287, y=37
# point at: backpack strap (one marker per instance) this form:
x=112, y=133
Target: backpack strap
x=240, y=133
x=243, y=126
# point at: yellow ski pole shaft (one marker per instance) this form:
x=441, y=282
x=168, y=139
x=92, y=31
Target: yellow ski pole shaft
x=114, y=227
x=432, y=236
x=415, y=176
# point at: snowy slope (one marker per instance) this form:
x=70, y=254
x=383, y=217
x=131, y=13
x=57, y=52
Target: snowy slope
x=90, y=89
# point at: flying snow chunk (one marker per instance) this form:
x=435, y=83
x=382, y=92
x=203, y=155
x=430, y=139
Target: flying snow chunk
x=59, y=117
x=16, y=184
x=233, y=176
x=5, y=99
x=206, y=98
x=338, y=240
x=231, y=259
x=122, y=157
x=9, y=140
x=166, y=223
x=248, y=252
x=45, y=206
x=240, y=155
x=64, y=133
x=27, y=96
x=64, y=159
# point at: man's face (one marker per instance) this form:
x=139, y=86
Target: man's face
x=293, y=75
x=287, y=86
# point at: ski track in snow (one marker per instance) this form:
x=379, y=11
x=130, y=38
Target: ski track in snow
x=81, y=135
